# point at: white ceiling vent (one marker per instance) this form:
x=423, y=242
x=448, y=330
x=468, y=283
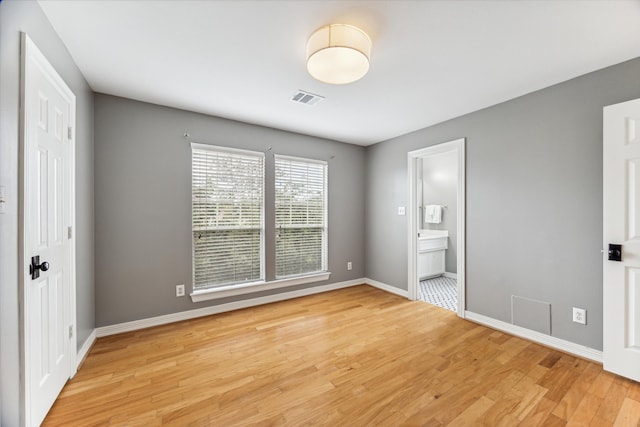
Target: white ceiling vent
x=306, y=98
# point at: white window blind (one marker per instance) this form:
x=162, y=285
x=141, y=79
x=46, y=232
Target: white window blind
x=227, y=216
x=301, y=216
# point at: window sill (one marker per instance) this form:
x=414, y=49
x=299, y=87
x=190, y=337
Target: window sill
x=248, y=288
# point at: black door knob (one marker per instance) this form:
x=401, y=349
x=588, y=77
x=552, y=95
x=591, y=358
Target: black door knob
x=36, y=266
x=615, y=252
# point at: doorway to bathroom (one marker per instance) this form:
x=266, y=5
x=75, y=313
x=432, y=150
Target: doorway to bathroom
x=436, y=226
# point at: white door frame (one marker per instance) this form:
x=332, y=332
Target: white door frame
x=32, y=57
x=456, y=146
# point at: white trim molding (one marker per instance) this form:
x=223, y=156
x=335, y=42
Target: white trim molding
x=453, y=276
x=538, y=337
x=387, y=288
x=84, y=350
x=222, y=308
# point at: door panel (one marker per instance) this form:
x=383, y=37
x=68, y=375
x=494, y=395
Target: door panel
x=633, y=184
x=621, y=225
x=633, y=301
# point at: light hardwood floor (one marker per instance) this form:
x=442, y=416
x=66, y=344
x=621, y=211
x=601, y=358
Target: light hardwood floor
x=357, y=357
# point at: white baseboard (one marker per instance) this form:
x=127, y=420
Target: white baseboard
x=207, y=311
x=544, y=339
x=453, y=276
x=82, y=353
x=547, y=340
x=387, y=288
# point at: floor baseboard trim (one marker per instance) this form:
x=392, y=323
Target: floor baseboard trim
x=387, y=288
x=451, y=275
x=538, y=337
x=135, y=325
x=84, y=350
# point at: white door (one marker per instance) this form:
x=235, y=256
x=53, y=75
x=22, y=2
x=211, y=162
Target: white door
x=49, y=310
x=621, y=222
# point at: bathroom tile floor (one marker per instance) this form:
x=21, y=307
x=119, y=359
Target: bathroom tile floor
x=440, y=291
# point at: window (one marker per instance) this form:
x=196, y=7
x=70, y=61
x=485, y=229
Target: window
x=301, y=216
x=227, y=216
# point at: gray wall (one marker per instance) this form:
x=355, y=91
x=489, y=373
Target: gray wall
x=440, y=187
x=534, y=200
x=16, y=16
x=534, y=184
x=143, y=202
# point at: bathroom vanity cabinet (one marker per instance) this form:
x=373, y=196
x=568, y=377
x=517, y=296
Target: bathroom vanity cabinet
x=432, y=246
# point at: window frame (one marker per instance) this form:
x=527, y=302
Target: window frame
x=217, y=292
x=325, y=214
x=241, y=152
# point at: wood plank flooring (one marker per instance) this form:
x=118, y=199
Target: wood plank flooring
x=357, y=356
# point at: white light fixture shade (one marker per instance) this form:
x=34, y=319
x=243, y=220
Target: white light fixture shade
x=338, y=54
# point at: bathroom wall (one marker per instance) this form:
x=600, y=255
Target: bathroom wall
x=440, y=187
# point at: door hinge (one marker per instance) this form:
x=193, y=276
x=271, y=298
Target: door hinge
x=69, y=232
x=70, y=132
x=70, y=332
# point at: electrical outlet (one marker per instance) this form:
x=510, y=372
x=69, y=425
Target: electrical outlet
x=179, y=290
x=580, y=315
x=401, y=210
x=349, y=266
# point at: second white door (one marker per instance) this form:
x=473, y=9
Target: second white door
x=621, y=224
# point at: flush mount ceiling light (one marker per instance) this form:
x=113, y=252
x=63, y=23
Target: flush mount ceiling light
x=338, y=54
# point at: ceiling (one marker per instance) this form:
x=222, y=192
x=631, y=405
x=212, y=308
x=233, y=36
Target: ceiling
x=431, y=60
